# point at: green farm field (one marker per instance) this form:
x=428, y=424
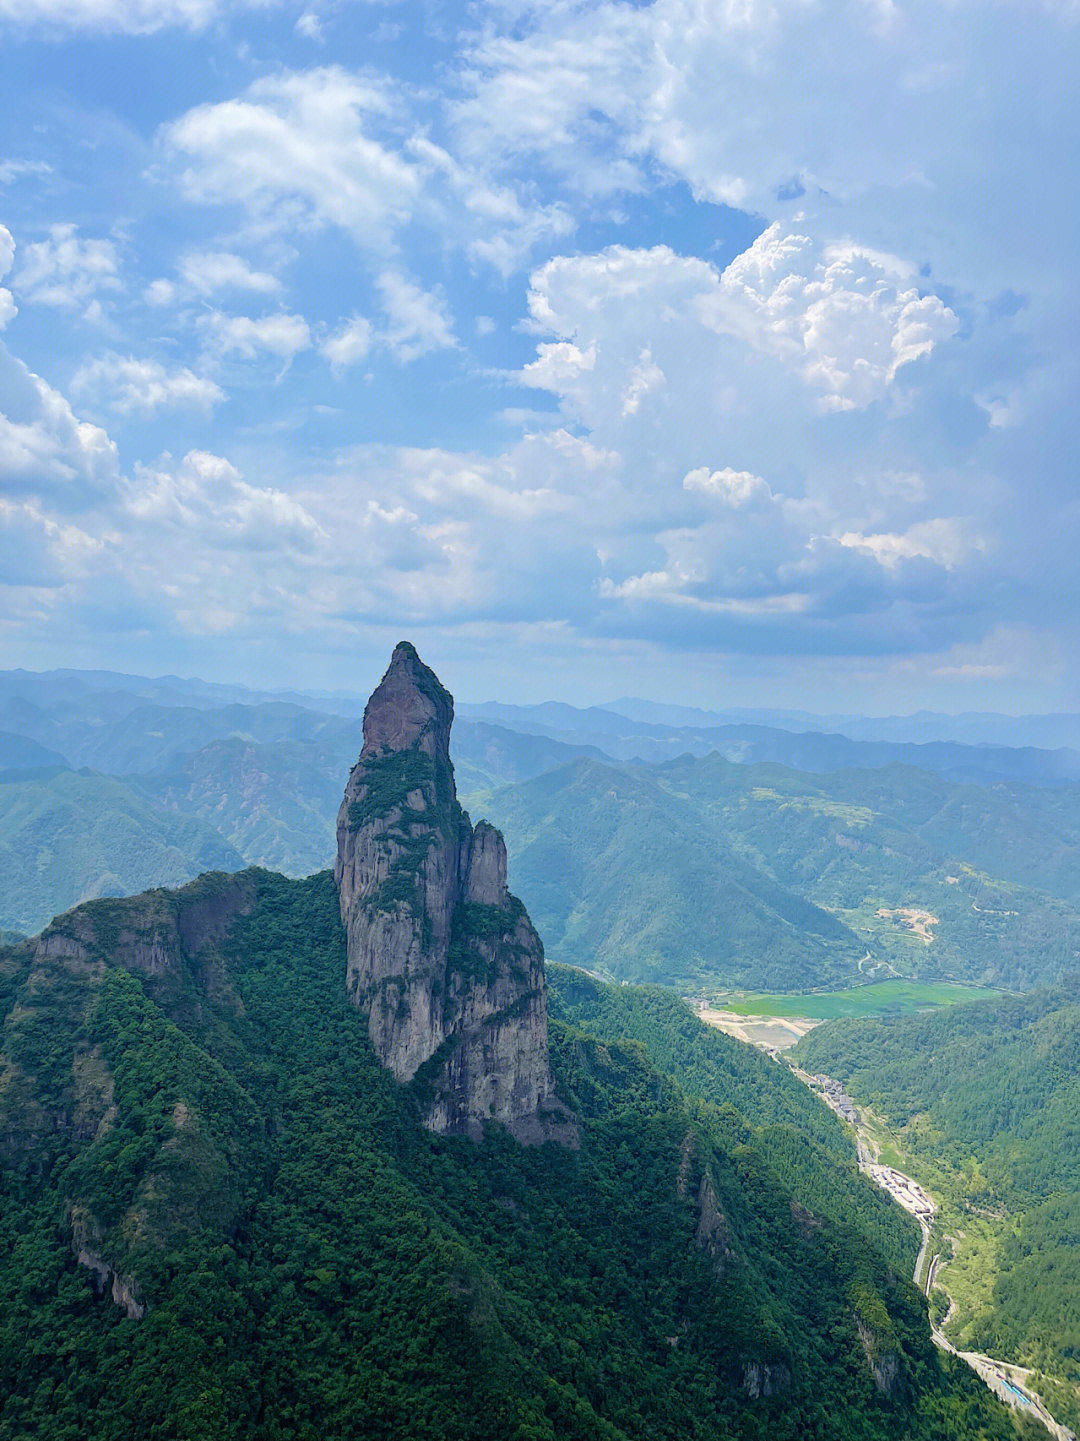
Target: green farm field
x=878, y=998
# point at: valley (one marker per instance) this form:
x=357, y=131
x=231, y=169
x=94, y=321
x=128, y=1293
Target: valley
x=978, y=1103
x=938, y=1252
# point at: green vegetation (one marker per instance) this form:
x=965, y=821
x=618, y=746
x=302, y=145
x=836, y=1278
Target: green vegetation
x=315, y=1264
x=702, y=874
x=623, y=877
x=879, y=998
x=984, y=1104
x=66, y=837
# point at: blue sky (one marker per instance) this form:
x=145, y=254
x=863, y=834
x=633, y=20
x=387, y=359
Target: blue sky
x=721, y=352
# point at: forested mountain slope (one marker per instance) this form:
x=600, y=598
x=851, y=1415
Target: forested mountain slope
x=66, y=836
x=989, y=1095
x=626, y=877
x=702, y=872
x=196, y=1117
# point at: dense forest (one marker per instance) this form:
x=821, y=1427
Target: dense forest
x=217, y=1139
x=989, y=1094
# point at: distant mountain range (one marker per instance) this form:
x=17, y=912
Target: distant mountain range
x=625, y=738
x=976, y=728
x=704, y=873
x=696, y=855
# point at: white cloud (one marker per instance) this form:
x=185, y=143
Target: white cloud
x=130, y=17
x=847, y=318
x=326, y=146
x=128, y=385
x=45, y=551
x=310, y=25
x=66, y=270
x=44, y=447
x=417, y=321
x=205, y=496
x=299, y=147
x=670, y=587
x=160, y=292
x=1003, y=410
x=733, y=487
x=645, y=377
x=12, y=169
x=558, y=365
x=946, y=541
x=281, y=334
x=209, y=270
x=8, y=308
x=842, y=317
x=350, y=343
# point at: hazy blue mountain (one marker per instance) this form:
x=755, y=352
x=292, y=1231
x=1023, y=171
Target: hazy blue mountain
x=67, y=836
x=624, y=738
x=17, y=753
x=978, y=728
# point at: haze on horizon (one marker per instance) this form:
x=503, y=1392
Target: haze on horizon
x=710, y=352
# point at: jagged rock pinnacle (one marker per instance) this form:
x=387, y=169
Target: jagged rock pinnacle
x=442, y=958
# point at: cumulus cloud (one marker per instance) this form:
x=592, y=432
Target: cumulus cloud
x=843, y=318
x=44, y=447
x=301, y=147
x=44, y=551
x=349, y=344
x=160, y=292
x=745, y=101
x=946, y=541
x=8, y=308
x=415, y=322
x=66, y=269
x=126, y=384
x=205, y=495
x=327, y=146
x=733, y=487
x=280, y=334
x=846, y=317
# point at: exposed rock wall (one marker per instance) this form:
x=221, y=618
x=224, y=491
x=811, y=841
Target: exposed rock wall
x=442, y=958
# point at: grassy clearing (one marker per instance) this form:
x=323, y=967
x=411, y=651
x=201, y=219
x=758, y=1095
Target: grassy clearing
x=879, y=998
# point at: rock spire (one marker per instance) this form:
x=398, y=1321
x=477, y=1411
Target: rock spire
x=442, y=958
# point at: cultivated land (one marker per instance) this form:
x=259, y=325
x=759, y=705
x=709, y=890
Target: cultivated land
x=879, y=998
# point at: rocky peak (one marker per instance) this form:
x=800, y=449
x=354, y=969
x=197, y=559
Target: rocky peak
x=409, y=706
x=441, y=957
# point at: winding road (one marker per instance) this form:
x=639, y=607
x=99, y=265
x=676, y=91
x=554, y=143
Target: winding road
x=1007, y=1381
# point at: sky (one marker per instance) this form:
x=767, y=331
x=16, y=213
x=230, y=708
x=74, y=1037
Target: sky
x=712, y=351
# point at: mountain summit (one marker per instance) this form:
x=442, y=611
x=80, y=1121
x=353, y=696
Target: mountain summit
x=443, y=959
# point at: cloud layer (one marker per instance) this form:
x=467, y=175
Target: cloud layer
x=741, y=331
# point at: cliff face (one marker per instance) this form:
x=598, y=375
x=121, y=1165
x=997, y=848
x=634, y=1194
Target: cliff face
x=442, y=958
